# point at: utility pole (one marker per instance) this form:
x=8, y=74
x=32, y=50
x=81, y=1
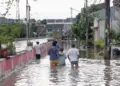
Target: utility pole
x=27, y=20
x=107, y=31
x=71, y=24
x=72, y=9
x=86, y=14
x=17, y=11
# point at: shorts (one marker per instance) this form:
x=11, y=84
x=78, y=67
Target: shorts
x=53, y=63
x=74, y=62
x=38, y=56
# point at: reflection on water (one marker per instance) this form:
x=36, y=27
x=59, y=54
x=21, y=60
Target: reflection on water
x=92, y=71
x=22, y=45
x=107, y=73
x=74, y=77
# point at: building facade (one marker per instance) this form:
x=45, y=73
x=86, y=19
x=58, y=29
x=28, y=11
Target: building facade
x=63, y=25
x=99, y=22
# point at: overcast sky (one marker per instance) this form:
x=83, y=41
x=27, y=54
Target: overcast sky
x=47, y=9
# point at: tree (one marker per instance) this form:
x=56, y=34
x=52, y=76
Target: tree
x=113, y=35
x=44, y=21
x=79, y=27
x=8, y=33
x=23, y=31
x=33, y=28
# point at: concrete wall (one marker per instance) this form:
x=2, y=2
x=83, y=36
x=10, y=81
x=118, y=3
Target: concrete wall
x=100, y=32
x=102, y=28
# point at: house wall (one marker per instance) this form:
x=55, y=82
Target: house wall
x=96, y=34
x=115, y=24
x=117, y=14
x=101, y=28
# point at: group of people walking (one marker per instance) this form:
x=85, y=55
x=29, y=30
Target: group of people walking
x=57, y=55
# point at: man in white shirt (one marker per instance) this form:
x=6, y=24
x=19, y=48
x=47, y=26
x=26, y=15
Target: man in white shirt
x=37, y=49
x=73, y=56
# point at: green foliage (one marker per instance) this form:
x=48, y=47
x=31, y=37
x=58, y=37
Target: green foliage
x=79, y=27
x=44, y=21
x=33, y=27
x=9, y=32
x=118, y=36
x=99, y=43
x=115, y=35
x=23, y=31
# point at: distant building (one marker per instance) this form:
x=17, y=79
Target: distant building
x=63, y=25
x=6, y=20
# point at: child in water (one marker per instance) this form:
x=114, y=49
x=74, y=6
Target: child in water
x=61, y=57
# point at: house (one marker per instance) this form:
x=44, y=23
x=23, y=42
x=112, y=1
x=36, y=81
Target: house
x=99, y=23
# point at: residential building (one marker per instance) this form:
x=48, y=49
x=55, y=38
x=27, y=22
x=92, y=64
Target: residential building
x=99, y=22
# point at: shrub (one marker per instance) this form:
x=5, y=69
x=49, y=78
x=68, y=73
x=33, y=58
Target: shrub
x=99, y=43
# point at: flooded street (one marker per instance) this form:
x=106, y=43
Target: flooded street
x=89, y=73
x=22, y=45
x=92, y=71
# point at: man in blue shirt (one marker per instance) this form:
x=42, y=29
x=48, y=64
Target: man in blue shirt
x=52, y=52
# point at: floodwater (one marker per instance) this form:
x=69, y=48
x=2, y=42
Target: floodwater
x=91, y=72
x=22, y=45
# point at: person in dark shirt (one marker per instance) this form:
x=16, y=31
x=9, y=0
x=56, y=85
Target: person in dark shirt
x=57, y=45
x=52, y=52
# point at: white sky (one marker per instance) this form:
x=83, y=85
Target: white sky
x=47, y=9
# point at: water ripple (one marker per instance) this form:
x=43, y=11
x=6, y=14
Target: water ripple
x=89, y=73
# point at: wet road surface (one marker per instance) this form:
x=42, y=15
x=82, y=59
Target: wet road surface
x=90, y=73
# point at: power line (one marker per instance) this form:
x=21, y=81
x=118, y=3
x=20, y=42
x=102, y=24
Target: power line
x=75, y=9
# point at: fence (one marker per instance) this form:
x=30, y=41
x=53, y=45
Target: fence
x=8, y=66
